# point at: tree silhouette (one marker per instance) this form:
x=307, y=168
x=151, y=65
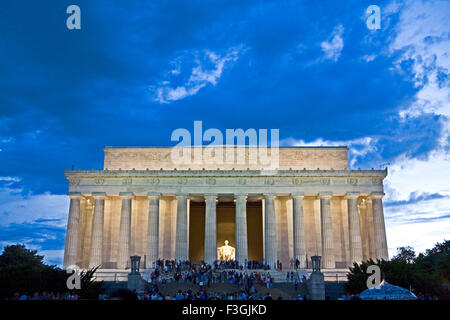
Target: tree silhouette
x=23, y=271
x=425, y=273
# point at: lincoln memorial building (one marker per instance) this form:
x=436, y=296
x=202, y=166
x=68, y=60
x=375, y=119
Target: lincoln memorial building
x=143, y=204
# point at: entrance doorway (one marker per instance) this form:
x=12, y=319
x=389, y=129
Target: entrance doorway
x=225, y=228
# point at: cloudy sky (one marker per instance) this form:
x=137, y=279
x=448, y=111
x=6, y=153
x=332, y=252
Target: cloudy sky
x=135, y=72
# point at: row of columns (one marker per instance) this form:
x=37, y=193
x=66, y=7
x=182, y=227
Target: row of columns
x=181, y=245
x=95, y=254
x=355, y=242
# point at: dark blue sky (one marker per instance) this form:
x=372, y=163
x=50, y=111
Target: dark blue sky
x=137, y=70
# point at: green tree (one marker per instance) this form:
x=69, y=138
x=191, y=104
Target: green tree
x=424, y=274
x=406, y=254
x=18, y=256
x=436, y=261
x=23, y=271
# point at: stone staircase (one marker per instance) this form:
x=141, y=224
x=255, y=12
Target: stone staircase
x=279, y=287
x=284, y=290
x=330, y=275
x=279, y=276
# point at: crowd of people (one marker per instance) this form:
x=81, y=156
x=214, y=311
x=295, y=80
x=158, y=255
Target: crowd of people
x=45, y=296
x=125, y=294
x=245, y=276
x=204, y=274
x=231, y=264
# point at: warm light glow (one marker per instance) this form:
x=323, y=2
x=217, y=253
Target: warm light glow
x=226, y=252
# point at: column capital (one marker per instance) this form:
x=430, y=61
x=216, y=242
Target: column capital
x=99, y=195
x=126, y=195
x=241, y=195
x=376, y=195
x=210, y=195
x=298, y=195
x=352, y=195
x=75, y=195
x=269, y=195
x=325, y=195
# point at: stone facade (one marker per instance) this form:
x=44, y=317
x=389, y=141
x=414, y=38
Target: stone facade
x=143, y=204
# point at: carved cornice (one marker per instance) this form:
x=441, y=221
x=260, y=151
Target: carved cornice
x=155, y=174
x=326, y=179
x=226, y=181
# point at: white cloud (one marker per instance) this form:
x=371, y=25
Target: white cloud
x=334, y=45
x=369, y=57
x=18, y=208
x=422, y=36
x=392, y=8
x=10, y=180
x=36, y=210
x=420, y=235
x=53, y=256
x=200, y=76
x=407, y=176
x=421, y=223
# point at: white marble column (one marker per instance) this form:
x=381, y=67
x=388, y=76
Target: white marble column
x=70, y=252
x=181, y=248
x=210, y=228
x=299, y=230
x=153, y=230
x=379, y=226
x=241, y=228
x=328, y=257
x=95, y=257
x=125, y=230
x=270, y=251
x=354, y=228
